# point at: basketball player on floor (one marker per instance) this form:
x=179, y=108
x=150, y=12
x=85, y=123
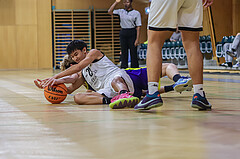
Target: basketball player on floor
x=139, y=78
x=105, y=78
x=100, y=73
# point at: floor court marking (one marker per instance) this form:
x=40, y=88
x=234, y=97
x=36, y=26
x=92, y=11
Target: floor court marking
x=222, y=80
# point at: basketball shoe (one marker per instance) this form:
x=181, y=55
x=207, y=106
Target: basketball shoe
x=226, y=64
x=183, y=84
x=200, y=102
x=123, y=100
x=150, y=101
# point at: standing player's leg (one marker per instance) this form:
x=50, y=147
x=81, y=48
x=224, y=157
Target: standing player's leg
x=161, y=24
x=194, y=56
x=195, y=66
x=154, y=69
x=190, y=18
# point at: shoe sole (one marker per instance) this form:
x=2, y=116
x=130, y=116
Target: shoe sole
x=125, y=102
x=201, y=108
x=184, y=87
x=150, y=107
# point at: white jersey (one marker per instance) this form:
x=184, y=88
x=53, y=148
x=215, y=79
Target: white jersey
x=100, y=74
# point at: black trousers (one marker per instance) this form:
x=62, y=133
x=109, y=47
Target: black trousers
x=127, y=40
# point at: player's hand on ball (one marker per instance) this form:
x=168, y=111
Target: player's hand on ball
x=38, y=83
x=55, y=82
x=48, y=82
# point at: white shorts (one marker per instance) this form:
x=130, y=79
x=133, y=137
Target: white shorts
x=167, y=15
x=108, y=90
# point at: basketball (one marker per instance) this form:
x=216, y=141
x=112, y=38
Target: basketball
x=55, y=94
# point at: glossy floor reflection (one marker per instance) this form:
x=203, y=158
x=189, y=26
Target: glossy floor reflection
x=30, y=127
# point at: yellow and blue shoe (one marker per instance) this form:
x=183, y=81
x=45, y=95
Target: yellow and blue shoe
x=183, y=84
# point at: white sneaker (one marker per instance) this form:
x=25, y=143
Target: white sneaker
x=236, y=65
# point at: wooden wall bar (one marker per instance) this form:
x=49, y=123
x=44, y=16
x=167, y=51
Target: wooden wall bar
x=26, y=29
x=25, y=34
x=222, y=18
x=236, y=16
x=105, y=4
x=44, y=34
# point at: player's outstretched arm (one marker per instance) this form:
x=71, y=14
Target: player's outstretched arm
x=91, y=56
x=68, y=79
x=78, y=83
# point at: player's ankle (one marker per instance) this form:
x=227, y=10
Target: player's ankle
x=152, y=87
x=106, y=100
x=198, y=88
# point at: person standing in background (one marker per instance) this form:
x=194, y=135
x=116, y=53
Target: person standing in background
x=130, y=22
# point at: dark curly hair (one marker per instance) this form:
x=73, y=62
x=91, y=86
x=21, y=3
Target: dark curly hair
x=76, y=45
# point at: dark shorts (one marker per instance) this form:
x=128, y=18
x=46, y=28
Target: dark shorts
x=139, y=78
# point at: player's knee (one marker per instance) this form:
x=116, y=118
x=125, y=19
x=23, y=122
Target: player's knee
x=117, y=79
x=79, y=99
x=172, y=65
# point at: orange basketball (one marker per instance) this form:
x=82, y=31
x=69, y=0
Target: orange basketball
x=55, y=94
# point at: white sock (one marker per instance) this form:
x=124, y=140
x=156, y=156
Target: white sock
x=198, y=88
x=152, y=87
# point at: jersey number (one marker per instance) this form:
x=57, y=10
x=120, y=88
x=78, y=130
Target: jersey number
x=89, y=71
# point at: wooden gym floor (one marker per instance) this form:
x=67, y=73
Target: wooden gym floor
x=30, y=127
